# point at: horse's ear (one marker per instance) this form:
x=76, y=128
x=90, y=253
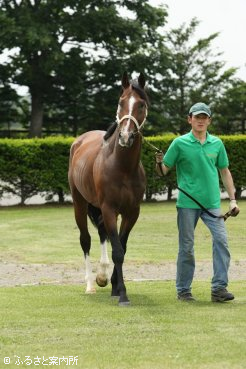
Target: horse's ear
x=141, y=80
x=125, y=81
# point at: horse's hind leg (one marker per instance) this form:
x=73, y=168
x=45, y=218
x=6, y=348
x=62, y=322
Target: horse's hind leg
x=95, y=214
x=80, y=211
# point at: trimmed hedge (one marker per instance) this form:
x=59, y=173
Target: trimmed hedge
x=31, y=166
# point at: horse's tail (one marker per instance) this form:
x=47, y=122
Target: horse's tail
x=96, y=218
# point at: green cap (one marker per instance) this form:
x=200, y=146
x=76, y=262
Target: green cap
x=200, y=108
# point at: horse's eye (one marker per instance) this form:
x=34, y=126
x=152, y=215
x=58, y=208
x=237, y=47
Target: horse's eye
x=141, y=105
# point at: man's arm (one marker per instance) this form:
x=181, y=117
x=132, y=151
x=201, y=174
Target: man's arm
x=229, y=186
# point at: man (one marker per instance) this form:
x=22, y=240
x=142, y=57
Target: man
x=198, y=156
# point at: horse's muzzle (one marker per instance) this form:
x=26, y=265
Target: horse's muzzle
x=126, y=139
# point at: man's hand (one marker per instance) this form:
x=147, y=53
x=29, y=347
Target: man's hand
x=161, y=168
x=158, y=157
x=233, y=207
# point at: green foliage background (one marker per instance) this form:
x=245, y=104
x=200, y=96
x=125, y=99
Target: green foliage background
x=31, y=166
x=71, y=55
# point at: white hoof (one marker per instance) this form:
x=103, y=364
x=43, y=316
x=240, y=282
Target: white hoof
x=90, y=291
x=102, y=280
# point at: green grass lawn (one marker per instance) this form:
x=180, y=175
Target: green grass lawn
x=48, y=234
x=155, y=332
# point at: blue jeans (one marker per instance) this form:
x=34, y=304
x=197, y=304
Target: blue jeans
x=187, y=221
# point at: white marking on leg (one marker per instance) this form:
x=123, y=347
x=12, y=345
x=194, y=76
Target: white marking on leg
x=89, y=276
x=104, y=254
x=103, y=272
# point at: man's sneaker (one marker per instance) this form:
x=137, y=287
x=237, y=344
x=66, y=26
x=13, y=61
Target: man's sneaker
x=185, y=296
x=221, y=295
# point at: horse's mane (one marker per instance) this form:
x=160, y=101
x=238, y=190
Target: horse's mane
x=141, y=92
x=110, y=130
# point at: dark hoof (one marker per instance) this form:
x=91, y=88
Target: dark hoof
x=124, y=303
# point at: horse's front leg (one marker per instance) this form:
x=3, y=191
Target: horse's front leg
x=114, y=278
x=127, y=223
x=102, y=277
x=118, y=285
x=117, y=280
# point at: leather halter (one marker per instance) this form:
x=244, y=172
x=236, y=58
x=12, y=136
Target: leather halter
x=128, y=116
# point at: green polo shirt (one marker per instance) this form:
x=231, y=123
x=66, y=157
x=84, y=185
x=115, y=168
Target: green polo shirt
x=197, y=169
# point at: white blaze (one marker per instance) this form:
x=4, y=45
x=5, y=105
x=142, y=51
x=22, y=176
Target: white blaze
x=132, y=101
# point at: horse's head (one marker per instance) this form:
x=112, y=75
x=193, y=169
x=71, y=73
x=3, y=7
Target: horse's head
x=132, y=109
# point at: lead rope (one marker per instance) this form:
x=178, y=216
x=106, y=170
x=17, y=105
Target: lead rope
x=225, y=216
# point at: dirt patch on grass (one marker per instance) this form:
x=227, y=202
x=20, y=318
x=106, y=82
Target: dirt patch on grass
x=15, y=274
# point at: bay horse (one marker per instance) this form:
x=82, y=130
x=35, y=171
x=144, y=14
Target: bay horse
x=107, y=179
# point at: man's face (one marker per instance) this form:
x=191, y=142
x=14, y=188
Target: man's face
x=199, y=122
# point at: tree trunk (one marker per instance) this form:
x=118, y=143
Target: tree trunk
x=60, y=196
x=148, y=194
x=22, y=193
x=238, y=193
x=36, y=115
x=243, y=127
x=169, y=193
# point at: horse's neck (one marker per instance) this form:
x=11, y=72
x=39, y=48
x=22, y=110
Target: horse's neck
x=128, y=158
